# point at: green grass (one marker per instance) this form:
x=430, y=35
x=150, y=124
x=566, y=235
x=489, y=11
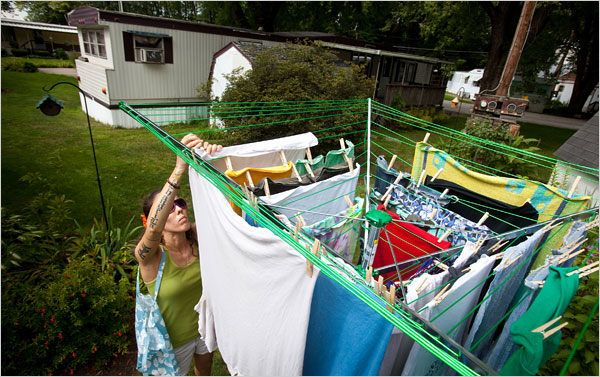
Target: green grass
x=38, y=62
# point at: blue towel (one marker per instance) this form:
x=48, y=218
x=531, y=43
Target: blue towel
x=345, y=336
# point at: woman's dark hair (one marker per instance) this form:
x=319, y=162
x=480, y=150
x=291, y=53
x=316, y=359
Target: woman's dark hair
x=147, y=206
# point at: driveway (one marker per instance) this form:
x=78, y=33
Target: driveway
x=529, y=117
x=60, y=71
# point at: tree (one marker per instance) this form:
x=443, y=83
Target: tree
x=292, y=72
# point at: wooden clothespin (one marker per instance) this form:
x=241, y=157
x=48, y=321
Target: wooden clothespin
x=437, y=174
x=309, y=170
x=245, y=190
x=588, y=272
x=228, y=163
x=550, y=225
x=423, y=172
x=483, y=218
x=388, y=193
x=380, y=285
x=438, y=263
x=568, y=246
x=443, y=237
x=301, y=220
x=512, y=261
x=592, y=224
x=349, y=202
x=315, y=250
x=542, y=328
x=369, y=275
x=309, y=155
x=348, y=161
x=566, y=256
x=426, y=137
x=421, y=287
x=284, y=160
x=444, y=193
x=391, y=298
x=574, y=186
x=583, y=269
x=432, y=215
x=249, y=179
x=267, y=189
x=296, y=173
x=498, y=245
x=392, y=162
x=440, y=293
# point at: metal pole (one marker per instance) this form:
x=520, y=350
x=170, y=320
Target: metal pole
x=368, y=180
x=93, y=152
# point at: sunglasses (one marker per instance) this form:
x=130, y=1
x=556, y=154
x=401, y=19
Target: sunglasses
x=179, y=202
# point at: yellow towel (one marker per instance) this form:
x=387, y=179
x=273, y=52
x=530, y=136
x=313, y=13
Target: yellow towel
x=547, y=200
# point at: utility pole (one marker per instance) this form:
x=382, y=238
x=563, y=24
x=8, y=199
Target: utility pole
x=516, y=48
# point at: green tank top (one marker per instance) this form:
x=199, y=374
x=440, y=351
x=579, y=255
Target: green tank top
x=180, y=291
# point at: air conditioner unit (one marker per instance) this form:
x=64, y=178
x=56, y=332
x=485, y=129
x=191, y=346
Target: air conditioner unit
x=152, y=55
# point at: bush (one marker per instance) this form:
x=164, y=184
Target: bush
x=20, y=52
x=59, y=53
x=76, y=315
x=555, y=107
x=42, y=53
x=295, y=72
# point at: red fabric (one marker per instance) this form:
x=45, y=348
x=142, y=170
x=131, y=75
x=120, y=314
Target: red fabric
x=408, y=242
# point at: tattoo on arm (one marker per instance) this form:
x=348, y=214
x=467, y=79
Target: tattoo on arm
x=161, y=205
x=142, y=251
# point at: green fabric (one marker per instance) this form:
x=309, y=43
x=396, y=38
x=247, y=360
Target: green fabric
x=551, y=302
x=180, y=291
x=336, y=157
x=318, y=162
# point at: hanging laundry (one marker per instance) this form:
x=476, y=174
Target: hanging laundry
x=508, y=277
x=502, y=218
x=345, y=336
x=317, y=201
x=285, y=184
x=267, y=288
x=408, y=203
x=384, y=177
x=336, y=157
x=575, y=236
x=551, y=302
x=317, y=163
x=407, y=241
x=340, y=232
x=263, y=154
x=547, y=200
x=445, y=313
x=274, y=172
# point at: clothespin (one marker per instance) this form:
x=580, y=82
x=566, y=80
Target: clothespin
x=566, y=256
x=295, y=234
x=369, y=275
x=426, y=137
x=267, y=189
x=440, y=293
x=301, y=220
x=388, y=193
x=574, y=186
x=542, y=328
x=512, y=261
x=348, y=161
x=284, y=160
x=228, y=163
x=315, y=250
x=443, y=237
x=391, y=298
x=573, y=243
x=588, y=272
x=249, y=179
x=550, y=225
x=483, y=218
x=420, y=287
x=349, y=202
x=584, y=269
x=309, y=170
x=193, y=155
x=592, y=224
x=309, y=155
x=437, y=174
x=423, y=172
x=380, y=284
x=498, y=245
x=296, y=173
x=480, y=242
x=438, y=263
x=528, y=200
x=444, y=193
x=392, y=162
x=432, y=215
x=245, y=190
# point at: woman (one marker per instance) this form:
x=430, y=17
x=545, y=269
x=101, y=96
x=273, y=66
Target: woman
x=169, y=230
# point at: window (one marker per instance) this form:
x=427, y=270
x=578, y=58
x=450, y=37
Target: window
x=561, y=88
x=467, y=79
x=93, y=43
x=144, y=47
x=404, y=72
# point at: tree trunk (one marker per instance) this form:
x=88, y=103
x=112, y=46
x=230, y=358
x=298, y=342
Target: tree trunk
x=587, y=58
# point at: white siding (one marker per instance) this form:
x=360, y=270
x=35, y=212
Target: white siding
x=224, y=65
x=139, y=82
x=93, y=79
x=106, y=63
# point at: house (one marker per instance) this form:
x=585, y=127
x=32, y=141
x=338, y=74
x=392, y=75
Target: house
x=564, y=89
x=580, y=149
x=465, y=81
x=20, y=34
x=154, y=60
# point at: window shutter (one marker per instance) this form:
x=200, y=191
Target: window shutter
x=128, y=46
x=168, y=43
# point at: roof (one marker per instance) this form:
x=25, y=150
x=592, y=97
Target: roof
x=38, y=26
x=250, y=49
x=372, y=51
x=582, y=147
x=568, y=77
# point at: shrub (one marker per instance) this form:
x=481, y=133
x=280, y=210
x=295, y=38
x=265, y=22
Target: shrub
x=19, y=52
x=29, y=67
x=42, y=53
x=59, y=53
x=75, y=315
x=295, y=72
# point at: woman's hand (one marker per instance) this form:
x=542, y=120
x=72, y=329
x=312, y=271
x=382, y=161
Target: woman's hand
x=192, y=141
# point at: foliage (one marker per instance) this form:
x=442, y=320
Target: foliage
x=555, y=107
x=427, y=113
x=585, y=360
x=19, y=52
x=491, y=158
x=59, y=53
x=76, y=314
x=18, y=64
x=293, y=72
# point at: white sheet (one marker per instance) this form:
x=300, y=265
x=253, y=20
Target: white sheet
x=256, y=297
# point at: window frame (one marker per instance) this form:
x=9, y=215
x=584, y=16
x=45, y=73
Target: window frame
x=91, y=44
